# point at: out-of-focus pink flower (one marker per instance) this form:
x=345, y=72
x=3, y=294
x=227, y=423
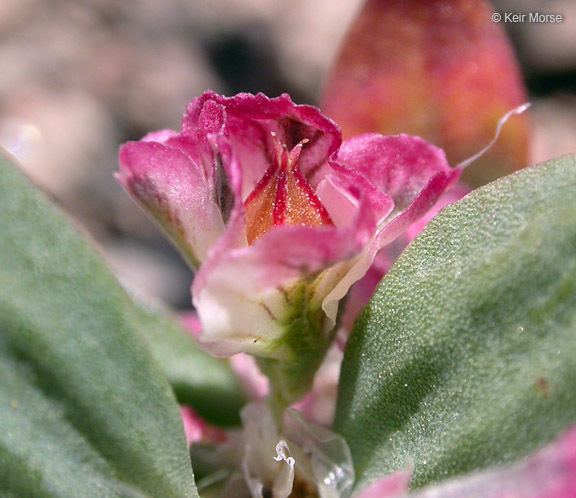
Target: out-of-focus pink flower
x=440, y=70
x=548, y=473
x=197, y=430
x=392, y=486
x=279, y=215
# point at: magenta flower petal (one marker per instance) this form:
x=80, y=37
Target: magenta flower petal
x=248, y=124
x=406, y=170
x=421, y=204
x=169, y=186
x=400, y=166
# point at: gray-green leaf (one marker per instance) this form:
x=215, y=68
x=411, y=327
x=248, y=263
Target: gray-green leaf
x=198, y=379
x=466, y=356
x=84, y=411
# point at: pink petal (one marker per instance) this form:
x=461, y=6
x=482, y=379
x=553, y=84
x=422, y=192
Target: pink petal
x=341, y=192
x=410, y=171
x=248, y=121
x=168, y=185
x=423, y=202
x=399, y=166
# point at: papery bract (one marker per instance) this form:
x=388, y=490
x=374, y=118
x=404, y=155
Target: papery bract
x=442, y=70
x=281, y=217
x=300, y=459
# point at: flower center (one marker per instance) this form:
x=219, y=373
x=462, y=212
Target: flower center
x=283, y=196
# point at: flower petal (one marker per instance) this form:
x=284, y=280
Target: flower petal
x=248, y=121
x=240, y=294
x=167, y=184
x=406, y=169
x=399, y=166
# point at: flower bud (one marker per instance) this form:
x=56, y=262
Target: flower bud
x=440, y=70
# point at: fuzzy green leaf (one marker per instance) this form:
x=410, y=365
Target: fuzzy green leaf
x=84, y=409
x=466, y=356
x=198, y=379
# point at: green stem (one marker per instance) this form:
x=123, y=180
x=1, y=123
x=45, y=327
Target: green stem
x=304, y=337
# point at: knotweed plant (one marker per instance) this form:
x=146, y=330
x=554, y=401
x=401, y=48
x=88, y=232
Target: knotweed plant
x=363, y=322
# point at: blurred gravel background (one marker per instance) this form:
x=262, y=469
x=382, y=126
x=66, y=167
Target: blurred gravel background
x=79, y=77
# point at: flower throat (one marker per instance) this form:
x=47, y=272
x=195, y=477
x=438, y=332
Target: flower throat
x=283, y=196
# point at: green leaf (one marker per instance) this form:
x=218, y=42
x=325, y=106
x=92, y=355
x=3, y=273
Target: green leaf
x=84, y=409
x=466, y=356
x=198, y=379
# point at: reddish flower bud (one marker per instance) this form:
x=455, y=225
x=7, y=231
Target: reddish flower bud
x=440, y=70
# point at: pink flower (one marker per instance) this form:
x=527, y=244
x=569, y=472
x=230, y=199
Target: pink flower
x=197, y=430
x=278, y=216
